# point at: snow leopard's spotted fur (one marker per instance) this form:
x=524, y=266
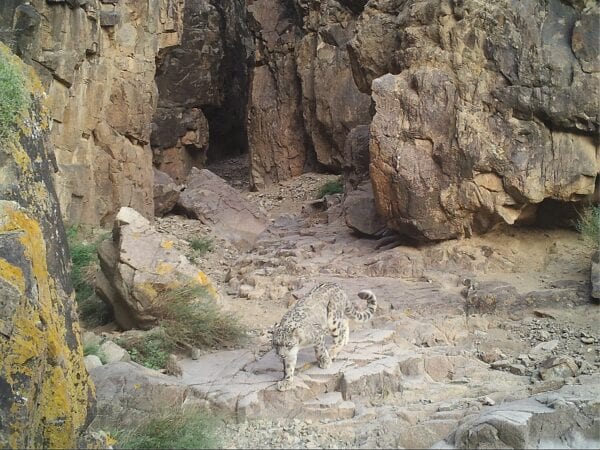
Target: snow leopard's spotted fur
x=324, y=310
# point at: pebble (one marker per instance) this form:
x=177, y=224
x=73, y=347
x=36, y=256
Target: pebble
x=544, y=335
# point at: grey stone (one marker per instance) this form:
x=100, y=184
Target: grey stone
x=109, y=18
x=507, y=365
x=435, y=167
x=211, y=200
x=113, y=353
x=210, y=68
x=558, y=367
x=360, y=212
x=91, y=362
x=543, y=349
x=126, y=393
x=557, y=419
x=90, y=338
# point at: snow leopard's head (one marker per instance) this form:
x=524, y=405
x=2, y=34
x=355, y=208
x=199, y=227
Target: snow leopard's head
x=284, y=340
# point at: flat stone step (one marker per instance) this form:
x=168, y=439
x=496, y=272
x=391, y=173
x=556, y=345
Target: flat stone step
x=331, y=406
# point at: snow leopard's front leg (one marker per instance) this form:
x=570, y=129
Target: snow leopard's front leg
x=289, y=365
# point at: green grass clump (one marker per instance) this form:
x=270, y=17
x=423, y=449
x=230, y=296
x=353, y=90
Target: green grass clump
x=202, y=245
x=85, y=264
x=152, y=350
x=14, y=97
x=191, y=317
x=331, y=187
x=588, y=225
x=84, y=258
x=190, y=428
x=94, y=349
x=199, y=247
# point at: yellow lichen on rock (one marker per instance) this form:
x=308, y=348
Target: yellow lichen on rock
x=37, y=362
x=12, y=274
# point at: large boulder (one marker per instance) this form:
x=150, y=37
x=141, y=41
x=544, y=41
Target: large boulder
x=211, y=200
x=128, y=393
x=97, y=61
x=46, y=398
x=360, y=212
x=480, y=115
x=566, y=418
x=136, y=265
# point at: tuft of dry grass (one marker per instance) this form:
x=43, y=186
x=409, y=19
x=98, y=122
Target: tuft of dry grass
x=189, y=316
x=189, y=428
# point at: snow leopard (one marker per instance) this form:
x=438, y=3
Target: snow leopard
x=324, y=310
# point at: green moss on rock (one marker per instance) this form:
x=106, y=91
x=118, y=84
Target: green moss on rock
x=14, y=96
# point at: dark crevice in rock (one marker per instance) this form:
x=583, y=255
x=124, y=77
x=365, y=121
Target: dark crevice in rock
x=203, y=89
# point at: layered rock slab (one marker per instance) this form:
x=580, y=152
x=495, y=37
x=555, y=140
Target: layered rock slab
x=97, y=62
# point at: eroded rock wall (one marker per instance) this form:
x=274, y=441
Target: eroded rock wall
x=97, y=62
x=203, y=88
x=483, y=109
x=45, y=394
x=303, y=100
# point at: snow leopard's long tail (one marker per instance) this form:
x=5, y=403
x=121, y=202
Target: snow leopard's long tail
x=366, y=314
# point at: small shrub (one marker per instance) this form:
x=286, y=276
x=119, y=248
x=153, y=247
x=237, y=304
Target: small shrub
x=588, y=225
x=200, y=247
x=190, y=316
x=14, y=98
x=190, y=428
x=151, y=351
x=331, y=187
x=85, y=262
x=94, y=349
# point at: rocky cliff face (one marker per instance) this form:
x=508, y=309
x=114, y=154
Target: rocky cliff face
x=203, y=88
x=45, y=395
x=97, y=62
x=484, y=109
x=303, y=100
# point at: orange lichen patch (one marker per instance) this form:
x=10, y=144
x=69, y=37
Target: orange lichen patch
x=167, y=245
x=12, y=274
x=203, y=279
x=45, y=373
